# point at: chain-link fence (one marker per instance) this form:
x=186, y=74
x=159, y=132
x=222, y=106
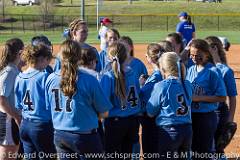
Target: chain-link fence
x=13, y=23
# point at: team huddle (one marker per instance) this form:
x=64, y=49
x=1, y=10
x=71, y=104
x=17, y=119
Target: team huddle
x=84, y=101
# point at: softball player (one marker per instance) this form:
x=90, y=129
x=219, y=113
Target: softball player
x=112, y=35
x=136, y=64
x=154, y=51
x=78, y=31
x=170, y=102
x=9, y=116
x=140, y=69
x=76, y=100
x=208, y=89
x=121, y=86
x=88, y=61
x=226, y=110
x=36, y=131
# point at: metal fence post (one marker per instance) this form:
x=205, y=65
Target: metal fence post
x=218, y=22
x=12, y=27
x=113, y=21
x=62, y=23
x=43, y=22
x=23, y=25
x=167, y=23
x=53, y=23
x=141, y=23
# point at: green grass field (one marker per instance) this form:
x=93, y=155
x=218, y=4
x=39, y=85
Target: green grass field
x=138, y=7
x=138, y=37
x=153, y=27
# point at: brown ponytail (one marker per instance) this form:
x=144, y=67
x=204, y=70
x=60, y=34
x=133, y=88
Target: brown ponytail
x=10, y=51
x=119, y=53
x=70, y=55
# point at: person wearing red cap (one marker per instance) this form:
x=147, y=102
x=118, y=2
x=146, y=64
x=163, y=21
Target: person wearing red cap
x=185, y=27
x=105, y=23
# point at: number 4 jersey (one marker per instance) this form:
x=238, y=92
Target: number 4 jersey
x=30, y=96
x=132, y=105
x=169, y=102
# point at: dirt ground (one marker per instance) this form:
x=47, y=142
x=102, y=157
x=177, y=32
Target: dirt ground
x=233, y=57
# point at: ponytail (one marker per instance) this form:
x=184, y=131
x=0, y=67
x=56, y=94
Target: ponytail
x=118, y=52
x=70, y=56
x=189, y=20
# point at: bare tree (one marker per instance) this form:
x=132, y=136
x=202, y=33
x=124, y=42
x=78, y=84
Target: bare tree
x=2, y=8
x=47, y=7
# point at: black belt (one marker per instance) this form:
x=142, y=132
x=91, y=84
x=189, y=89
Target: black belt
x=122, y=118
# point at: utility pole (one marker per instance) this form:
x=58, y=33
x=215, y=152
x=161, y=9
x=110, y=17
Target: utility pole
x=3, y=8
x=97, y=13
x=83, y=9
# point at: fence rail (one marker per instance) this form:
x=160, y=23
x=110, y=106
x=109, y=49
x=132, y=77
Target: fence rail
x=15, y=22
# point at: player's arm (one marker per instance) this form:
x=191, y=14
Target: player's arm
x=232, y=107
x=210, y=99
x=11, y=111
x=193, y=35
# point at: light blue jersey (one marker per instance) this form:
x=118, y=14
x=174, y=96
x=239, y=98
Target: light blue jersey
x=228, y=78
x=138, y=67
x=170, y=103
x=79, y=114
x=207, y=82
x=30, y=95
x=132, y=106
x=146, y=90
x=57, y=65
x=104, y=60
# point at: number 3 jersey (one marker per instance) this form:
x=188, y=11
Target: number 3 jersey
x=30, y=94
x=169, y=102
x=78, y=113
x=132, y=102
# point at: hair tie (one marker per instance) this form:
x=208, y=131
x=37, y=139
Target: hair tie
x=66, y=33
x=115, y=58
